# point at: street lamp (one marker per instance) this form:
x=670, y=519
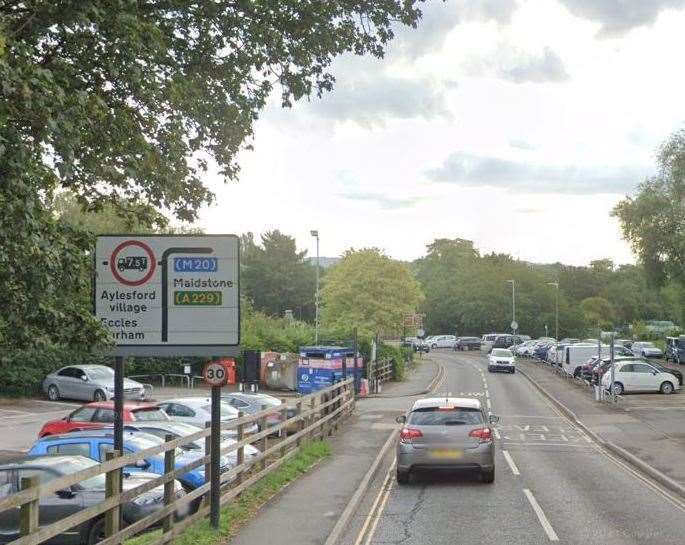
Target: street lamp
x=514, y=325
x=315, y=233
x=556, y=306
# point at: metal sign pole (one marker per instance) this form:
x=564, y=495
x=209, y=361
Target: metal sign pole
x=119, y=403
x=215, y=483
x=611, y=359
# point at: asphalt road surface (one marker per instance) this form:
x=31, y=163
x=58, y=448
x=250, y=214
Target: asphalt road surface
x=552, y=483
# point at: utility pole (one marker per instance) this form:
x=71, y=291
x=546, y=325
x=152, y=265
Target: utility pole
x=556, y=309
x=315, y=233
x=514, y=324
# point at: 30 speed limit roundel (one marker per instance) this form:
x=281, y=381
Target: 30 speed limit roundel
x=215, y=374
x=132, y=263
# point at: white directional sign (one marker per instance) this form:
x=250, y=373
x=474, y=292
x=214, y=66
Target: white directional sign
x=169, y=295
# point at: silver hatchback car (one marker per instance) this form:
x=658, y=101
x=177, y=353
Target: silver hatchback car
x=446, y=433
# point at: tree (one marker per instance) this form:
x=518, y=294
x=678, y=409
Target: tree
x=276, y=277
x=369, y=291
x=653, y=221
x=598, y=312
x=126, y=102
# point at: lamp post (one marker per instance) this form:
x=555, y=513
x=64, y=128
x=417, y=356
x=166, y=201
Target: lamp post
x=315, y=233
x=514, y=325
x=556, y=306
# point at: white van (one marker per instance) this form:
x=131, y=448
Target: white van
x=575, y=355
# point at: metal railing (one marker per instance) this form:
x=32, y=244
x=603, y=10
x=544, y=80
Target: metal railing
x=184, y=379
x=315, y=416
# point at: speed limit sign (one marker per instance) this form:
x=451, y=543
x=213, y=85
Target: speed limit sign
x=215, y=373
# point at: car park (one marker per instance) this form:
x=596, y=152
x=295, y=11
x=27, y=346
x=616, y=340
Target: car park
x=638, y=376
x=467, y=343
x=675, y=349
x=95, y=444
x=197, y=411
x=83, y=495
x=646, y=350
x=100, y=414
x=501, y=359
x=446, y=434
x=88, y=383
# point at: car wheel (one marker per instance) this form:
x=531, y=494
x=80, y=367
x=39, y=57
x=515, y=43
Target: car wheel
x=434, y=346
x=488, y=476
x=53, y=393
x=99, y=396
x=489, y=369
x=402, y=477
x=513, y=370
x=666, y=388
x=618, y=388
x=96, y=532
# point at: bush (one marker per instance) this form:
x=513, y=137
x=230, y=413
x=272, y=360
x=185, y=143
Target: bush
x=398, y=356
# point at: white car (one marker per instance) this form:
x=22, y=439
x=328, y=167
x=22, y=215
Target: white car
x=501, y=359
x=646, y=350
x=636, y=376
x=198, y=410
x=442, y=341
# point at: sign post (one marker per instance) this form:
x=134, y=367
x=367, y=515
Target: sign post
x=170, y=296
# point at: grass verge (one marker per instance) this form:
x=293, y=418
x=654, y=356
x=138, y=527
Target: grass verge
x=237, y=513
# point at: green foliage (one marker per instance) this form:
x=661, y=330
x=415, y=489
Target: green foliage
x=369, y=291
x=652, y=221
x=399, y=356
x=599, y=313
x=240, y=511
x=276, y=277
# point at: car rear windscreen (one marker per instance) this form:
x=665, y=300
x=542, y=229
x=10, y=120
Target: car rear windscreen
x=452, y=416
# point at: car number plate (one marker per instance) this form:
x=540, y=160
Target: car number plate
x=446, y=454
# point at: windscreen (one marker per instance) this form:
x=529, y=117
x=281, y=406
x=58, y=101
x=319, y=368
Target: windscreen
x=148, y=415
x=452, y=416
x=502, y=353
x=100, y=373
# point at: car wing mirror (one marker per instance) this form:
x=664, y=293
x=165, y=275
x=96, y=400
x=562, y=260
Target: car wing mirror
x=84, y=378
x=401, y=419
x=493, y=418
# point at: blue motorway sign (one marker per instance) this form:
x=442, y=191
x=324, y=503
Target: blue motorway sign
x=196, y=264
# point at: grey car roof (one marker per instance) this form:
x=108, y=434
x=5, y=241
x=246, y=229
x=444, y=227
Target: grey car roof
x=466, y=402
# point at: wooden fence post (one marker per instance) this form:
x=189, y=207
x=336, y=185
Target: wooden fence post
x=169, y=492
x=240, y=456
x=112, y=488
x=300, y=423
x=28, y=512
x=312, y=419
x=263, y=442
x=284, y=429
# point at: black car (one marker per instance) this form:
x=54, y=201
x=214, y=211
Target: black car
x=63, y=503
x=467, y=343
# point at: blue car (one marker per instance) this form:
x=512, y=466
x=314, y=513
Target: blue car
x=95, y=443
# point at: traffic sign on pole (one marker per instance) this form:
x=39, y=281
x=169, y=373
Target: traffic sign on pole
x=514, y=325
x=169, y=295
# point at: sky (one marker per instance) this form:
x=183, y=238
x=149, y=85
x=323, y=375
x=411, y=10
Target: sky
x=517, y=124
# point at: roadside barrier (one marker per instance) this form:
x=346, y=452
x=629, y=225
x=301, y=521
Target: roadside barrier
x=379, y=373
x=315, y=416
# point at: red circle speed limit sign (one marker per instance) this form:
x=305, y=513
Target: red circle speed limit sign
x=215, y=373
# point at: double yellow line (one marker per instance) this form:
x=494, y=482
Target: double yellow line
x=368, y=529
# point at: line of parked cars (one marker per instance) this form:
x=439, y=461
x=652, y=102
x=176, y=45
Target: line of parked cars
x=84, y=437
x=634, y=367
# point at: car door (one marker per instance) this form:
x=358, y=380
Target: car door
x=646, y=377
x=625, y=375
x=83, y=388
x=66, y=382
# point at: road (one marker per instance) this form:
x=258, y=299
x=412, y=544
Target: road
x=552, y=483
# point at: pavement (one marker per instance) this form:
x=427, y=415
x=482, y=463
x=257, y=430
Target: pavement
x=649, y=426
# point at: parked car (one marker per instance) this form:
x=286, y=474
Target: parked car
x=524, y=349
x=95, y=444
x=181, y=429
x=197, y=411
x=446, y=434
x=88, y=383
x=675, y=349
x=501, y=359
x=540, y=350
x=66, y=502
x=442, y=341
x=675, y=372
x=639, y=377
x=251, y=403
x=99, y=415
x=503, y=341
x=646, y=350
x=467, y=343
x=486, y=342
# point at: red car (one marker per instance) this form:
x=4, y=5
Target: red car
x=100, y=414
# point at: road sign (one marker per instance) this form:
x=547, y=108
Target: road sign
x=514, y=325
x=169, y=295
x=421, y=333
x=215, y=374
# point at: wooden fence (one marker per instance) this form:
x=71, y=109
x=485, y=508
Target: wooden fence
x=315, y=416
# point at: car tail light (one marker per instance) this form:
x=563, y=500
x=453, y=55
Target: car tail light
x=407, y=434
x=484, y=435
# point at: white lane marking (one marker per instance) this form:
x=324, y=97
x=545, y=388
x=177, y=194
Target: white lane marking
x=544, y=521
x=19, y=413
x=510, y=461
x=489, y=404
x=495, y=431
x=368, y=517
x=379, y=514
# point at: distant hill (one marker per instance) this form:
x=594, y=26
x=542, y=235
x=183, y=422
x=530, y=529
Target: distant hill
x=325, y=262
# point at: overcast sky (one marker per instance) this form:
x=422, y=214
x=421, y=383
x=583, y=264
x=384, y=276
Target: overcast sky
x=518, y=124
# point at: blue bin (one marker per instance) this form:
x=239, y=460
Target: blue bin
x=313, y=379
